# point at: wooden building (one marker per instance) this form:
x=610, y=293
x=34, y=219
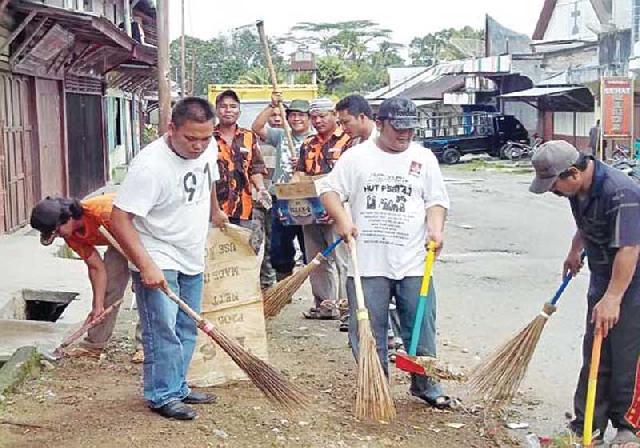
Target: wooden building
x=55, y=57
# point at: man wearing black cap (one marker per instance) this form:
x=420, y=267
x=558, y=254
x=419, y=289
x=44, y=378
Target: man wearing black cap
x=606, y=207
x=398, y=204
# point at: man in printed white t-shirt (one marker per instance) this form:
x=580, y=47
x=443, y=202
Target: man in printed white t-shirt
x=161, y=218
x=398, y=201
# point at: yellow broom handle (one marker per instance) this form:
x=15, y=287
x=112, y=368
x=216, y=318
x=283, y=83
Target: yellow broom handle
x=428, y=268
x=587, y=432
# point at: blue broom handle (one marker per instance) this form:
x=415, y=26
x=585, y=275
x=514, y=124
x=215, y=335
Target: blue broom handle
x=328, y=250
x=565, y=282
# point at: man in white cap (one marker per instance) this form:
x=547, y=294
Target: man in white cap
x=318, y=155
x=606, y=207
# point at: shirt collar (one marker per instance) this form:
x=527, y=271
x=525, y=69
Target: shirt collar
x=337, y=134
x=216, y=130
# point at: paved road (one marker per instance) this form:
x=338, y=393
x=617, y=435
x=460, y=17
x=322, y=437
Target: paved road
x=503, y=256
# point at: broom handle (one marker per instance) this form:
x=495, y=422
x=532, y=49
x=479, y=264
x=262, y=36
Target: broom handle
x=422, y=300
x=89, y=325
x=200, y=321
x=332, y=246
x=587, y=432
x=362, y=308
x=565, y=282
x=274, y=85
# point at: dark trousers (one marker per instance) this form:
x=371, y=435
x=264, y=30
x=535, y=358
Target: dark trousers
x=619, y=373
x=283, y=252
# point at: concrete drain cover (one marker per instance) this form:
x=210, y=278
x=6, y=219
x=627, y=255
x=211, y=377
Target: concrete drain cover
x=38, y=305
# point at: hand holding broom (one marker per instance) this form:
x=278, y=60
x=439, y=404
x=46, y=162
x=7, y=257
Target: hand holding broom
x=498, y=380
x=274, y=84
x=272, y=383
x=86, y=326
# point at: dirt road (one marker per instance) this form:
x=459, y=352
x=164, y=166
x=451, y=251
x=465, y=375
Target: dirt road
x=502, y=259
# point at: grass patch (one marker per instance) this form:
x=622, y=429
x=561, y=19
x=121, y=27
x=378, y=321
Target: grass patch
x=484, y=165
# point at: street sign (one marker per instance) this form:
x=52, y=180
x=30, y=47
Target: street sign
x=617, y=107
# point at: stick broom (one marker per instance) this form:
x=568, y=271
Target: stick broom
x=271, y=382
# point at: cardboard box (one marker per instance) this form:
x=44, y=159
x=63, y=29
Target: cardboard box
x=298, y=202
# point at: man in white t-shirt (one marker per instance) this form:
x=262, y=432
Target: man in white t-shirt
x=161, y=218
x=398, y=202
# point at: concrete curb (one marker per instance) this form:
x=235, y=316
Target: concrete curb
x=24, y=363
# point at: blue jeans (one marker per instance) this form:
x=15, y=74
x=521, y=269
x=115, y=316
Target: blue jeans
x=168, y=336
x=283, y=252
x=378, y=292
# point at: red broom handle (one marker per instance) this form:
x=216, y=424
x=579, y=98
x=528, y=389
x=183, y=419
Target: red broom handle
x=88, y=326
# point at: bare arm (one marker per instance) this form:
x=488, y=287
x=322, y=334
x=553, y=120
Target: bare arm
x=344, y=225
x=218, y=217
x=128, y=237
x=573, y=262
x=436, y=217
x=258, y=181
x=606, y=313
x=259, y=125
x=98, y=278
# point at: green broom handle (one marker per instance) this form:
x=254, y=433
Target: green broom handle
x=422, y=300
x=565, y=282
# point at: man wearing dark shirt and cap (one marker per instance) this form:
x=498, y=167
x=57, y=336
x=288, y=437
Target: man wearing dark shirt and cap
x=606, y=207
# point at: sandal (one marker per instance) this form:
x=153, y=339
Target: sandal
x=344, y=324
x=442, y=402
x=322, y=314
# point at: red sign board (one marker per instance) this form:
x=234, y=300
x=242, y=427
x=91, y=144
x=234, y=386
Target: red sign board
x=617, y=107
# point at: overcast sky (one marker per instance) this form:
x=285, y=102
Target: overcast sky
x=406, y=18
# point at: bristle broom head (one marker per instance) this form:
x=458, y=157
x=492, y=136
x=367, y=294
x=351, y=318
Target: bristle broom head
x=373, y=397
x=279, y=295
x=497, y=380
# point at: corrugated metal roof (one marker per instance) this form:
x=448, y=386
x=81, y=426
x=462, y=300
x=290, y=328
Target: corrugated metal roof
x=535, y=92
x=435, y=89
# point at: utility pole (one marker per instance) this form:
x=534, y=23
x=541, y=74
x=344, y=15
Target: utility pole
x=183, y=76
x=164, y=89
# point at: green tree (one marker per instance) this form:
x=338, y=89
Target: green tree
x=441, y=45
x=347, y=40
x=223, y=60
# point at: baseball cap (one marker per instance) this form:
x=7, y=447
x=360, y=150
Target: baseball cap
x=227, y=94
x=322, y=105
x=47, y=215
x=299, y=106
x=551, y=159
x=401, y=113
